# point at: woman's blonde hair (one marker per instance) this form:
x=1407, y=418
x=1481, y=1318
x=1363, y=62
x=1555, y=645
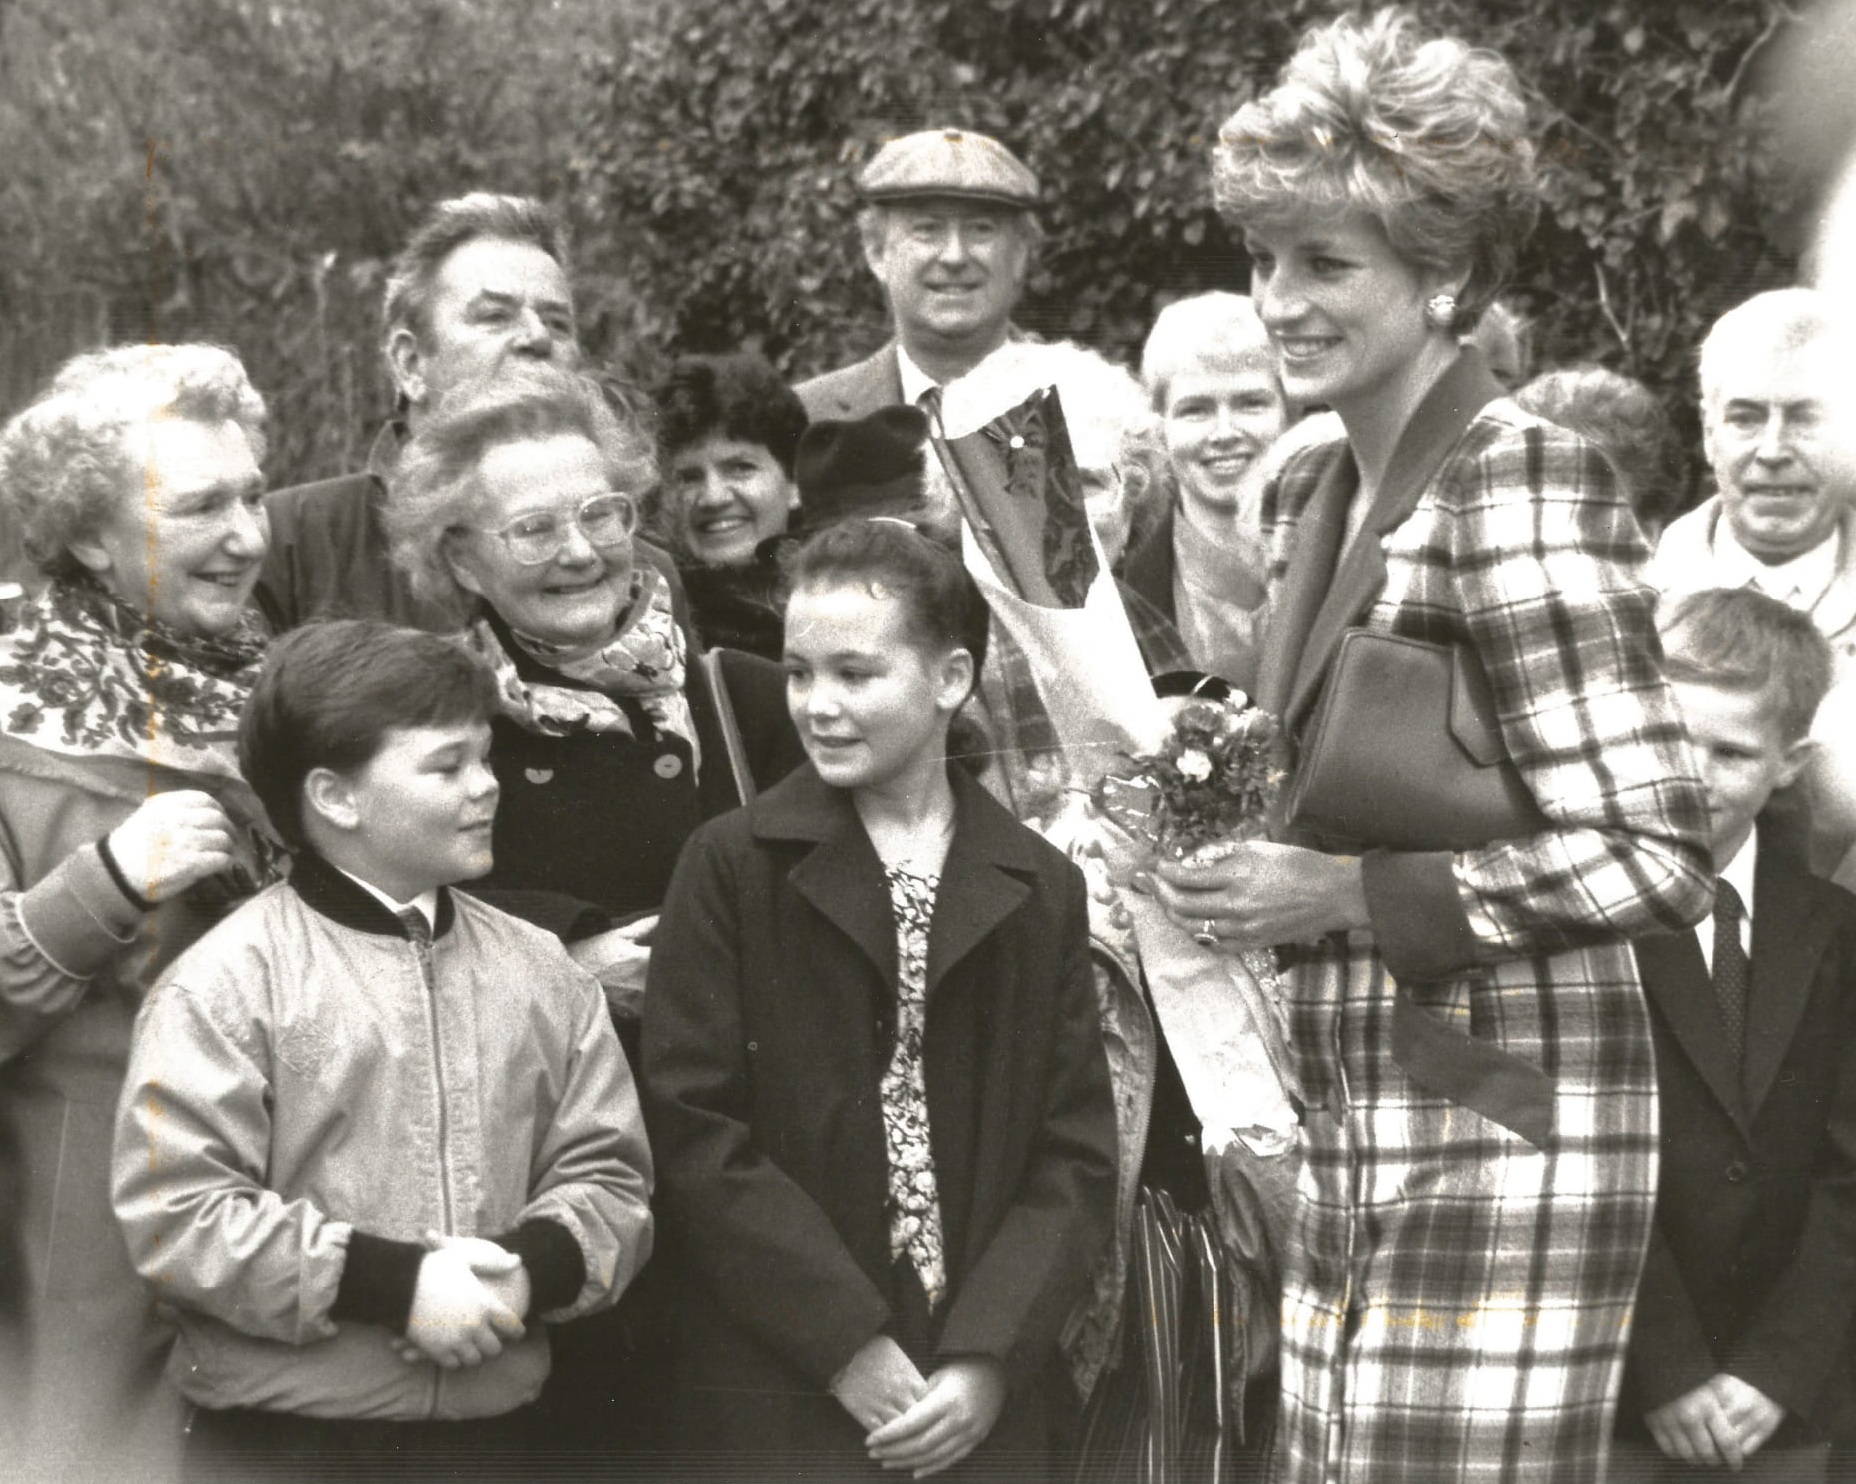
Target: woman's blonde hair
x=1427, y=135
x=1216, y=328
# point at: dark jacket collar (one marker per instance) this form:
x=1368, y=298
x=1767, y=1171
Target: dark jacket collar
x=1792, y=922
x=802, y=806
x=1320, y=600
x=332, y=894
x=982, y=882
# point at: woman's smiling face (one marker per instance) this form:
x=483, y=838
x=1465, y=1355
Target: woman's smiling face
x=184, y=542
x=1345, y=312
x=1220, y=416
x=575, y=598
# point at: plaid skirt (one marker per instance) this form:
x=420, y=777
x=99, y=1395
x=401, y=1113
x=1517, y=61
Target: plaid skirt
x=1456, y=1301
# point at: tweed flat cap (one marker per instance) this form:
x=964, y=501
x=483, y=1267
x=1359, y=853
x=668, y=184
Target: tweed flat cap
x=948, y=162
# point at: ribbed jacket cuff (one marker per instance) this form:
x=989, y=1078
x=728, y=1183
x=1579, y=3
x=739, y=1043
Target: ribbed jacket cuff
x=76, y=916
x=378, y=1282
x=556, y=1266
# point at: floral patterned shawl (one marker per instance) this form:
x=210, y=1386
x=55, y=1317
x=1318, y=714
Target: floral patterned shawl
x=645, y=661
x=87, y=675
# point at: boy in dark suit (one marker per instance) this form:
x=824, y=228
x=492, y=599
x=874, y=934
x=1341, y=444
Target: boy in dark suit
x=1739, y=1354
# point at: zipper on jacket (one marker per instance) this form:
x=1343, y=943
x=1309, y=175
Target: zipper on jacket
x=444, y=1122
x=438, y=1077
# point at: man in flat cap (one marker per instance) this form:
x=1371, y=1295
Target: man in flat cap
x=948, y=229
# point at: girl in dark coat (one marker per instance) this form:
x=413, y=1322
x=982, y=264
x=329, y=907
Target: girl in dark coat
x=873, y=1069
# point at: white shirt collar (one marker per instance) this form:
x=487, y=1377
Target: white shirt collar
x=1798, y=583
x=1738, y=872
x=426, y=903
x=915, y=381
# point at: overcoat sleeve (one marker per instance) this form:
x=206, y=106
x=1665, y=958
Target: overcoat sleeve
x=1528, y=554
x=1669, y=1354
x=759, y=1244
x=56, y=934
x=1014, y=1302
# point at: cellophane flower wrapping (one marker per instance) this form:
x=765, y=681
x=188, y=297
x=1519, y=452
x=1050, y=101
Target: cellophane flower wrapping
x=1207, y=786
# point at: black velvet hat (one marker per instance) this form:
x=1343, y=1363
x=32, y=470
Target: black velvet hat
x=870, y=466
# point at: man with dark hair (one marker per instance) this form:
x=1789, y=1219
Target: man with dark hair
x=483, y=282
x=948, y=230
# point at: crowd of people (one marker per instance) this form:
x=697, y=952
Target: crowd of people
x=589, y=947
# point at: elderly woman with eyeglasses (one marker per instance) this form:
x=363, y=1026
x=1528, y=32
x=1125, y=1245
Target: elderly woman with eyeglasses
x=515, y=504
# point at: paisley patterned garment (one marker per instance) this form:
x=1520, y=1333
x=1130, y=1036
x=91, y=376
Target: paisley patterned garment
x=87, y=675
x=914, y=1200
x=644, y=660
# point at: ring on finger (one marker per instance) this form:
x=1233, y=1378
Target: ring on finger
x=1207, y=935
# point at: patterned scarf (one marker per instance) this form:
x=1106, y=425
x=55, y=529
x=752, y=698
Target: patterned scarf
x=643, y=662
x=86, y=675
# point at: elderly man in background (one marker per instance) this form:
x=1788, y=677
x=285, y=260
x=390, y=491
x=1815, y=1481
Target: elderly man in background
x=1778, y=436
x=948, y=230
x=481, y=284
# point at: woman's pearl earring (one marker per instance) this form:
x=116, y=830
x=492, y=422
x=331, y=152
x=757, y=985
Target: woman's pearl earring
x=1440, y=311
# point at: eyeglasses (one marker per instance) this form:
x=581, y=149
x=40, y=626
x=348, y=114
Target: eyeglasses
x=541, y=535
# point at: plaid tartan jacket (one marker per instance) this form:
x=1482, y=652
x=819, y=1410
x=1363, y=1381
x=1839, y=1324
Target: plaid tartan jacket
x=1480, y=1141
x=1522, y=546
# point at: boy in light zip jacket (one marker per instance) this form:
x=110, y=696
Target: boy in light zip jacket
x=374, y=1131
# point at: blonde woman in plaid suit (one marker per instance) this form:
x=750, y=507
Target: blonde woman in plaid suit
x=1480, y=1132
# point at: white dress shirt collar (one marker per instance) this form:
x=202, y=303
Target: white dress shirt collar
x=426, y=903
x=915, y=381
x=1737, y=873
x=1798, y=583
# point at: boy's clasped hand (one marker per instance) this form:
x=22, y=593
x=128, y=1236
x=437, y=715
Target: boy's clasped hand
x=471, y=1297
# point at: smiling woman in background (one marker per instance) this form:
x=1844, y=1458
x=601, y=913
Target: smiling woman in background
x=124, y=830
x=1211, y=373
x=728, y=434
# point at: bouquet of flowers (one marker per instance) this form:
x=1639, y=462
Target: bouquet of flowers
x=1209, y=785
x=1206, y=787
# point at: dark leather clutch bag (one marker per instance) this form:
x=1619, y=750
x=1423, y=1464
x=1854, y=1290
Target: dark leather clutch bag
x=1403, y=752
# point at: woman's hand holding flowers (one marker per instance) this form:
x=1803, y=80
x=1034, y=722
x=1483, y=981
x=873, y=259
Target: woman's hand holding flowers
x=1260, y=893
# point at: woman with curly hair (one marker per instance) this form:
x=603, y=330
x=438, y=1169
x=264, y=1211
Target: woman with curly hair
x=125, y=830
x=728, y=435
x=1474, y=1053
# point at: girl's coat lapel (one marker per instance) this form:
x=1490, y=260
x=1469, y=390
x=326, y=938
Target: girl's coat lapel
x=982, y=883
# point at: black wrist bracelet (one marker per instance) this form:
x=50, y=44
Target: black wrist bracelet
x=136, y=899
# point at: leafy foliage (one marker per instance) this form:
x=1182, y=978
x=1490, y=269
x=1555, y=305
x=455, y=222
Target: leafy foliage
x=736, y=129
x=243, y=168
